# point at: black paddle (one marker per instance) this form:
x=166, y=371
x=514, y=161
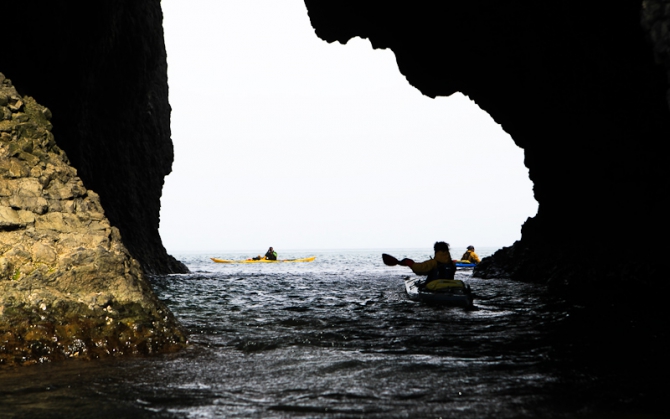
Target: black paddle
x=391, y=261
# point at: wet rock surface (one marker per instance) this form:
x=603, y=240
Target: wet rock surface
x=68, y=286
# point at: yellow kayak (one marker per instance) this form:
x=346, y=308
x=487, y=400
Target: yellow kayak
x=309, y=259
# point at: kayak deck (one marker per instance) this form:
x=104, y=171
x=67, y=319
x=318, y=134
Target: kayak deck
x=456, y=294
x=308, y=259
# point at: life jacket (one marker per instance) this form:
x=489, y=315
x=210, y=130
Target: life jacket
x=442, y=271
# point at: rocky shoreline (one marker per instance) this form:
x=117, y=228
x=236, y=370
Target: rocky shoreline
x=68, y=286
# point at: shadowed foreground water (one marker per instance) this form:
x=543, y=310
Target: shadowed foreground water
x=338, y=338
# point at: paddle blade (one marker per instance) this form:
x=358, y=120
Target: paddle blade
x=389, y=260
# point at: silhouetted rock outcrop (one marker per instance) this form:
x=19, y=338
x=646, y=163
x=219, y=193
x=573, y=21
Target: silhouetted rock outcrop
x=581, y=87
x=101, y=68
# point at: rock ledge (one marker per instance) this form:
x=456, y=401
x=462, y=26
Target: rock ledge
x=68, y=286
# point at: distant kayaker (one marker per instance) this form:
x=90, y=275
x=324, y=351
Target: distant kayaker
x=470, y=256
x=270, y=254
x=439, y=267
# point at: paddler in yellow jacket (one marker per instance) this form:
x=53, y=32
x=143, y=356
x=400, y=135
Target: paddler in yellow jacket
x=439, y=267
x=470, y=256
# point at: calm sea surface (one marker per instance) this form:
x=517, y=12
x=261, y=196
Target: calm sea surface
x=337, y=338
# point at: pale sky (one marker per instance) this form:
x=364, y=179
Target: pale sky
x=284, y=140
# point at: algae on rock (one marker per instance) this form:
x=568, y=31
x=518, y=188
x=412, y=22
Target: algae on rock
x=68, y=286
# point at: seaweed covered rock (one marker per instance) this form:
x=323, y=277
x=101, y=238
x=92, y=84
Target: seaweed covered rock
x=68, y=286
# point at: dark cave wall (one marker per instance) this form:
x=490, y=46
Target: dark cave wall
x=101, y=68
x=581, y=87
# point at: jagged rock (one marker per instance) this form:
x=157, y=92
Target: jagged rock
x=68, y=286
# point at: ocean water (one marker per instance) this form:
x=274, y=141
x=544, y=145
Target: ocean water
x=337, y=338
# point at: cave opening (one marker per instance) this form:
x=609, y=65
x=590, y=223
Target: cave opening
x=283, y=139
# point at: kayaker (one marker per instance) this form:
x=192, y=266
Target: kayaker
x=439, y=267
x=270, y=254
x=470, y=256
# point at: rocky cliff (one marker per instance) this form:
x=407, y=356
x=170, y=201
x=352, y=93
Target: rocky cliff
x=101, y=68
x=581, y=87
x=68, y=286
